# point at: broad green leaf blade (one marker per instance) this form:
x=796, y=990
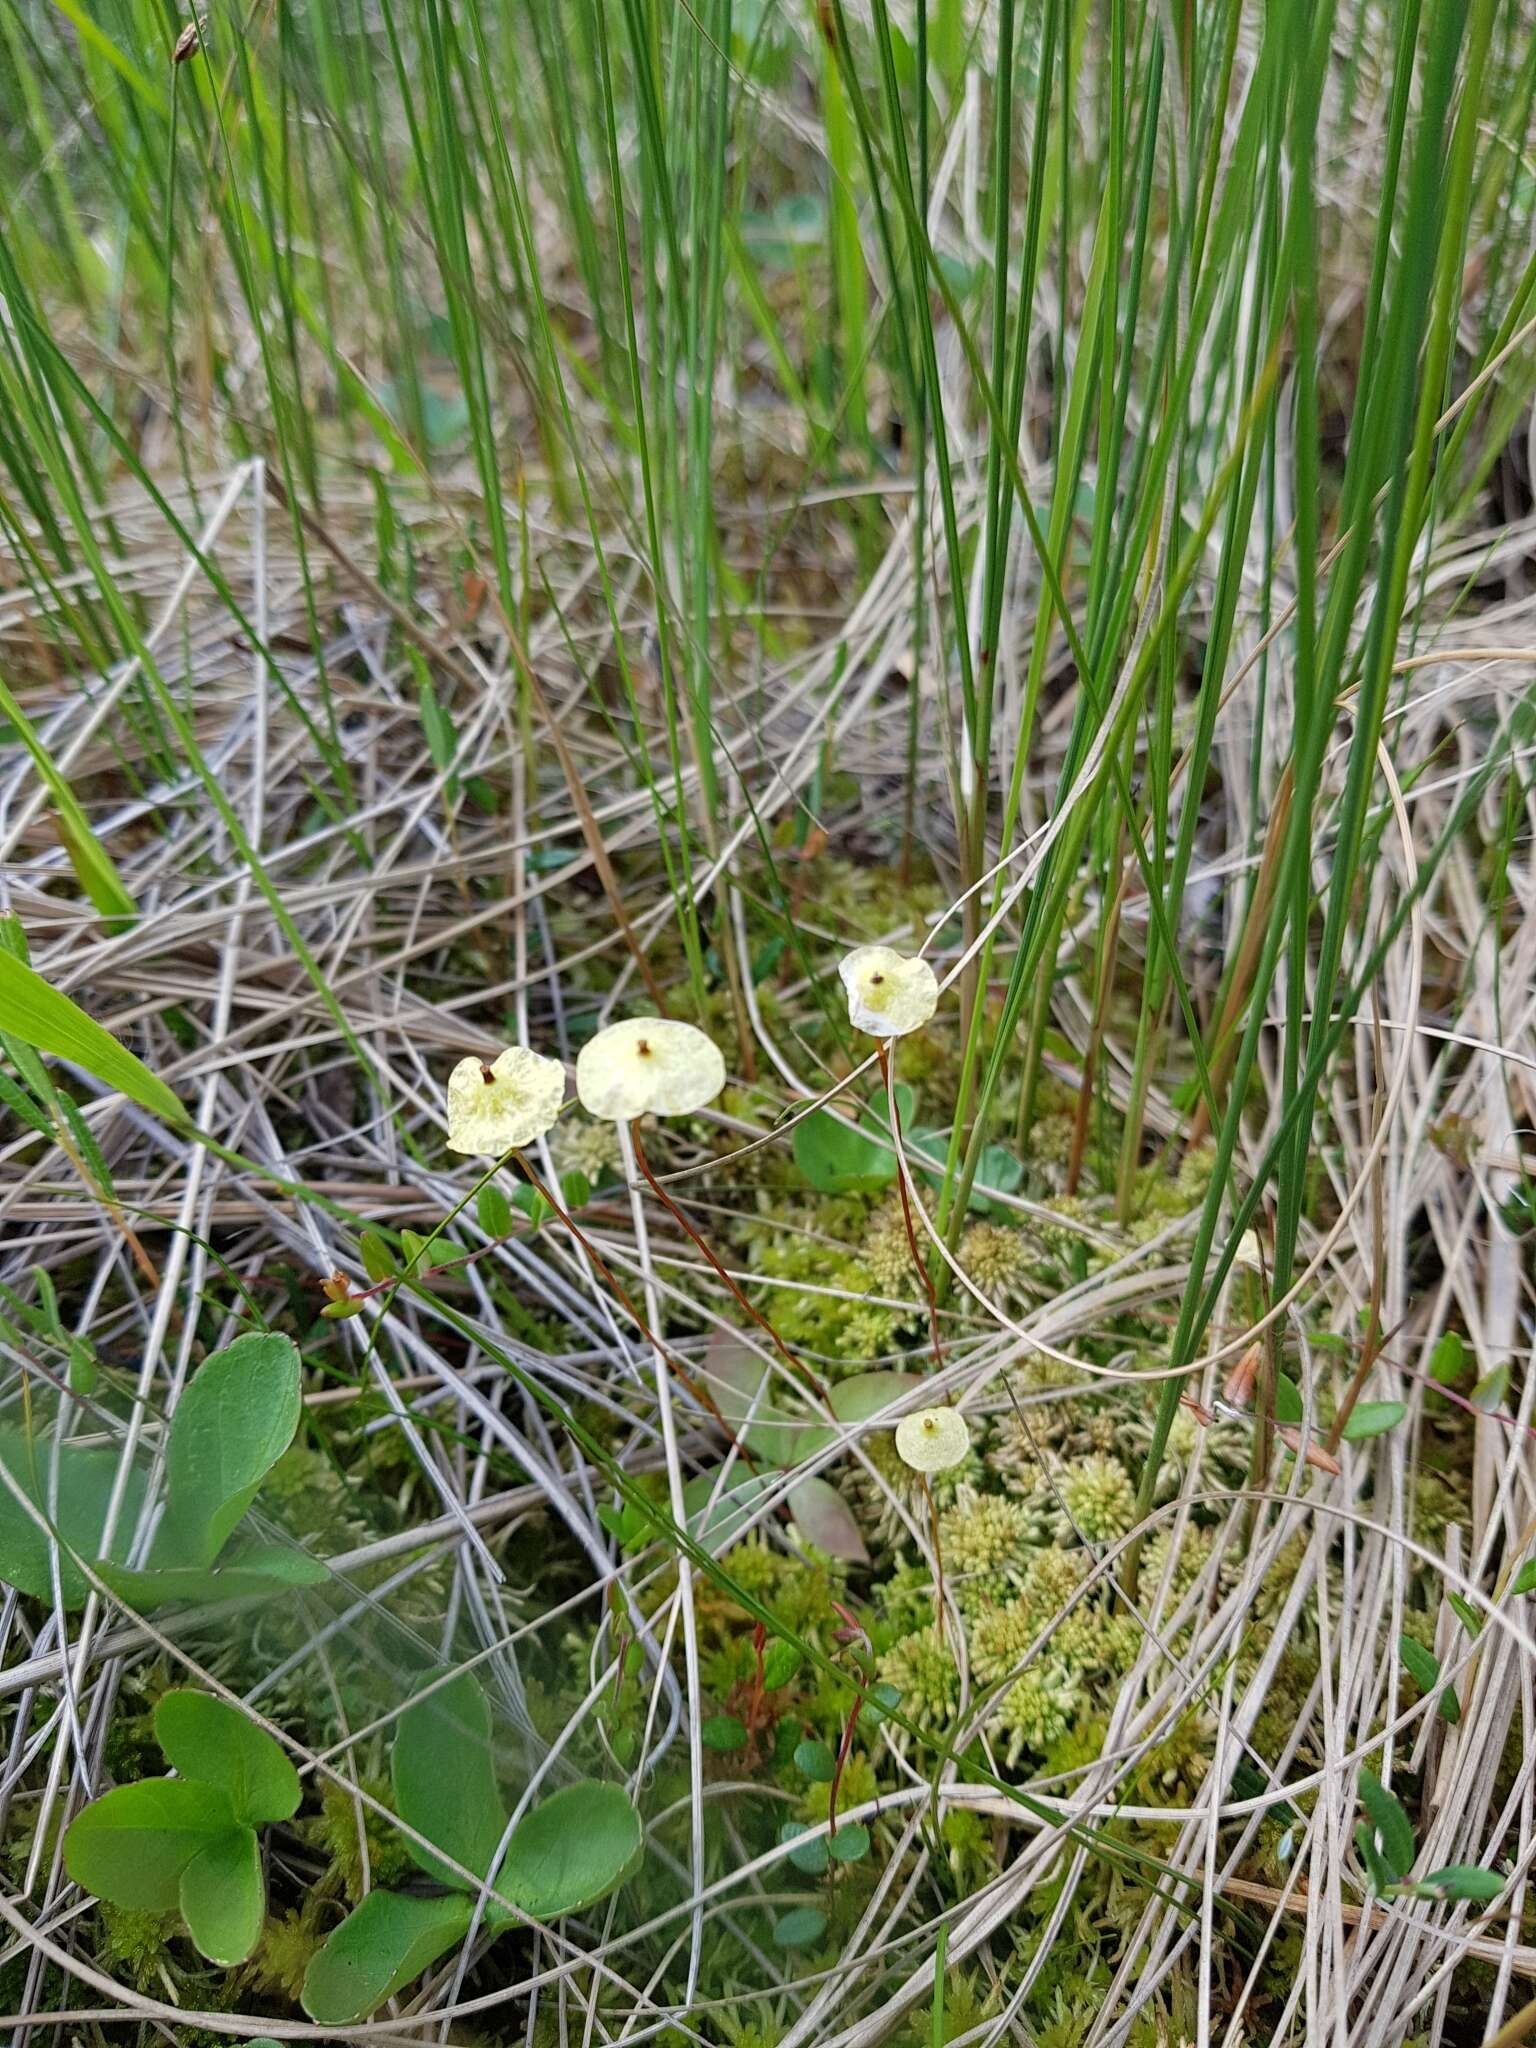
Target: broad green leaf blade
x=1391, y=1827
x=40, y=1016
x=86, y=1477
x=253, y=1575
x=572, y=1850
x=444, y=1775
x=387, y=1941
x=207, y=1739
x=230, y=1427
x=130, y=1846
x=223, y=1899
x=838, y=1158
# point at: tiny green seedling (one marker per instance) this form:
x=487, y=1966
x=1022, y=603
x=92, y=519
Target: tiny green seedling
x=234, y=1421
x=564, y=1855
x=189, y=1844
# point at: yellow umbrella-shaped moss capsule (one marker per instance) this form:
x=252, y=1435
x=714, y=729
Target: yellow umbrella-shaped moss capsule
x=932, y=1440
x=500, y=1105
x=648, y=1066
x=889, y=993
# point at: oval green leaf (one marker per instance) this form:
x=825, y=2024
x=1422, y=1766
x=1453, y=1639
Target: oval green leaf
x=223, y=1899
x=207, y=1739
x=572, y=1850
x=130, y=1846
x=234, y=1421
x=1373, y=1418
x=444, y=1774
x=388, y=1940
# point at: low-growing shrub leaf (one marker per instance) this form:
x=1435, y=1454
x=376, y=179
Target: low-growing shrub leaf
x=815, y=1758
x=218, y=1744
x=234, y=1421
x=444, y=1774
x=572, y=1850
x=380, y=1946
x=130, y=1846
x=807, y=1856
x=800, y=1928
x=1422, y=1665
x=1373, y=1418
x=1448, y=1360
x=223, y=1899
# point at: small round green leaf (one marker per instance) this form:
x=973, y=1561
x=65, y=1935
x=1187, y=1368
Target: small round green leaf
x=207, y=1739
x=809, y=1856
x=849, y=1843
x=130, y=1846
x=800, y=1928
x=723, y=1732
x=572, y=1850
x=223, y=1899
x=817, y=1762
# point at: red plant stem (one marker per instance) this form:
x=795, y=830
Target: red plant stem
x=883, y=1048
x=674, y=1365
x=794, y=1364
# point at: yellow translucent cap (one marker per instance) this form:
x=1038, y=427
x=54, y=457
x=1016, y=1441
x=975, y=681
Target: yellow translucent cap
x=933, y=1439
x=888, y=993
x=648, y=1066
x=511, y=1100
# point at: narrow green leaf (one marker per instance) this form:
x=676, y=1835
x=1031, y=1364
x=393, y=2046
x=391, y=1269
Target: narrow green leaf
x=40, y=1016
x=1465, y=1881
x=723, y=1732
x=223, y=1899
x=1525, y=1578
x=1422, y=1665
x=1392, y=1830
x=217, y=1744
x=380, y=1946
